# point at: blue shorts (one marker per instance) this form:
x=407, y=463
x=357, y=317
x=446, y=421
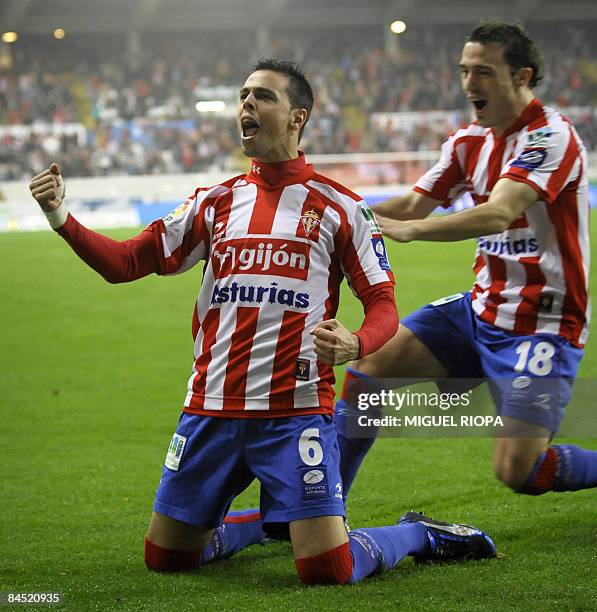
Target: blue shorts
x=211, y=460
x=531, y=377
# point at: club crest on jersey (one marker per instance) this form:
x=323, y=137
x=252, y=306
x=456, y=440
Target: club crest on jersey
x=310, y=221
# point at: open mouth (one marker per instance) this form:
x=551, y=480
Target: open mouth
x=479, y=104
x=249, y=127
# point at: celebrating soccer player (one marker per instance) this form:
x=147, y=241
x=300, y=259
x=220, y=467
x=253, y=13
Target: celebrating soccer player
x=525, y=322
x=276, y=243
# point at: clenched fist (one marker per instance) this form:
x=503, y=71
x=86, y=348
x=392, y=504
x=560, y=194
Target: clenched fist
x=334, y=344
x=48, y=188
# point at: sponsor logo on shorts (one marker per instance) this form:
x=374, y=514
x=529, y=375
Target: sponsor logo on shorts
x=175, y=450
x=521, y=382
x=314, y=483
x=338, y=490
x=258, y=294
x=313, y=476
x=268, y=256
x=543, y=401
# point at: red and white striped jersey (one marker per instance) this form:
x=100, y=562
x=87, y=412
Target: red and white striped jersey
x=533, y=277
x=277, y=243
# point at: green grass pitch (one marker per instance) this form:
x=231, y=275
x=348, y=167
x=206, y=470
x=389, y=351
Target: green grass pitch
x=93, y=377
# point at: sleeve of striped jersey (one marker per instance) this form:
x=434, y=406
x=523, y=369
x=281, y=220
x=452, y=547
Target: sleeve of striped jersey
x=381, y=318
x=549, y=164
x=117, y=262
x=445, y=181
x=182, y=238
x=364, y=257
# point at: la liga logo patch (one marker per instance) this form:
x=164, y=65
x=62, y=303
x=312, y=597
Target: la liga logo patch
x=177, y=212
x=380, y=250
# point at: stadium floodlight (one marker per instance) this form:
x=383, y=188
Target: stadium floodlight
x=398, y=27
x=59, y=33
x=9, y=37
x=210, y=106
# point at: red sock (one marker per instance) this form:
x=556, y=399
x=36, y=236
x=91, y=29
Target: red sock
x=351, y=387
x=331, y=567
x=161, y=559
x=245, y=516
x=543, y=474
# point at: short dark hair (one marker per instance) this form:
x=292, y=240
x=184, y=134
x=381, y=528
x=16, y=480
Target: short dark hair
x=299, y=89
x=519, y=49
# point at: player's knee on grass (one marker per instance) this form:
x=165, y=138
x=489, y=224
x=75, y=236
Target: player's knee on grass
x=321, y=550
x=314, y=536
x=330, y=567
x=159, y=559
x=174, y=546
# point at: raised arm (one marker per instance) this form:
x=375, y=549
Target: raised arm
x=48, y=190
x=117, y=262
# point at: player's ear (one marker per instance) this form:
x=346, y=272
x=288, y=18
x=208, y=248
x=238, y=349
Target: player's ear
x=298, y=118
x=523, y=76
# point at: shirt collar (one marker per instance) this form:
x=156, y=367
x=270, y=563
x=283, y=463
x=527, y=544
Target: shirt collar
x=278, y=174
x=533, y=111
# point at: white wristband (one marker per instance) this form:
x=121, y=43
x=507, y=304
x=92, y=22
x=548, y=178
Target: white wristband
x=57, y=217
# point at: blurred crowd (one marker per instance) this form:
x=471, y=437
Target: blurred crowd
x=137, y=102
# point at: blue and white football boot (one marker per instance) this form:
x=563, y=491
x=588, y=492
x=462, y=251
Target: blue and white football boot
x=451, y=541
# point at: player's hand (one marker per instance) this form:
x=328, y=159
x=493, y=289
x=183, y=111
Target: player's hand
x=334, y=344
x=48, y=188
x=401, y=231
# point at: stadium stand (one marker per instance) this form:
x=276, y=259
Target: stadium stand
x=100, y=108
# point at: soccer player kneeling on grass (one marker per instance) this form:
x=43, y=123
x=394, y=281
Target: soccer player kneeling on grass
x=525, y=322
x=276, y=243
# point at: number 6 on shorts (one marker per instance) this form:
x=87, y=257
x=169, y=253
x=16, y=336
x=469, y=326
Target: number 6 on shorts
x=309, y=447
